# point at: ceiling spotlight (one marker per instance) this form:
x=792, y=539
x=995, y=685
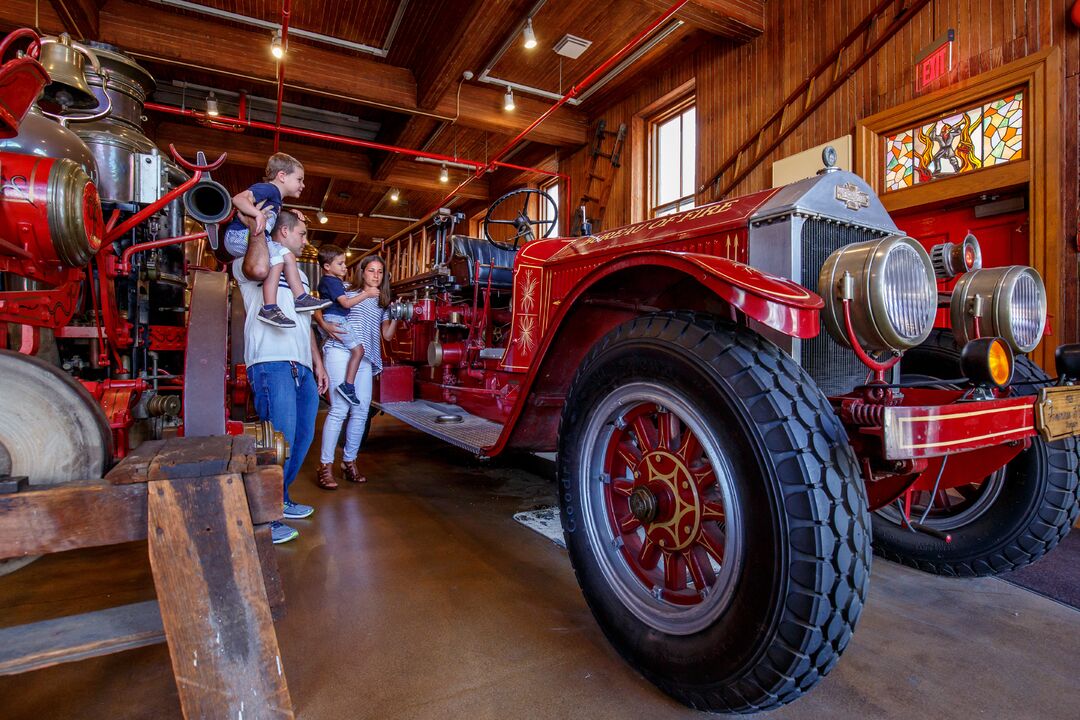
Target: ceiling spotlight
x=529, y=35
x=276, y=47
x=348, y=253
x=394, y=195
x=508, y=99
x=444, y=175
x=322, y=217
x=211, y=105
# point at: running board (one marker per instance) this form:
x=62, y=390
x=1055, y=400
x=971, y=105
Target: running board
x=446, y=422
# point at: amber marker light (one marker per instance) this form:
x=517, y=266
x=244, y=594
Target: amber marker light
x=987, y=361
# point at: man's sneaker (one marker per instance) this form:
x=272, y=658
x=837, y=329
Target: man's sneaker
x=272, y=315
x=296, y=511
x=282, y=533
x=307, y=303
x=349, y=393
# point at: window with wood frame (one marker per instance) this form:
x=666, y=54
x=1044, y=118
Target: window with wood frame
x=546, y=210
x=672, y=158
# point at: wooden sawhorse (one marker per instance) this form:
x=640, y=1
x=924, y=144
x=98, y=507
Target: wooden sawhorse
x=203, y=505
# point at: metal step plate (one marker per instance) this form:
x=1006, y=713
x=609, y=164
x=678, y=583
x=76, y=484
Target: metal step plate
x=471, y=433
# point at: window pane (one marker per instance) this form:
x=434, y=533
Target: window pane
x=689, y=151
x=667, y=161
x=546, y=211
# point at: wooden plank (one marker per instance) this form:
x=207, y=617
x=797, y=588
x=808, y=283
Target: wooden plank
x=275, y=590
x=740, y=20
x=213, y=602
x=482, y=108
x=34, y=646
x=48, y=519
x=136, y=465
x=80, y=17
x=199, y=457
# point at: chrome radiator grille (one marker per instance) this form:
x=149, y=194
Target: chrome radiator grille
x=834, y=367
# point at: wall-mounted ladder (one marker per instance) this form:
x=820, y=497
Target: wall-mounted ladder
x=598, y=186
x=865, y=39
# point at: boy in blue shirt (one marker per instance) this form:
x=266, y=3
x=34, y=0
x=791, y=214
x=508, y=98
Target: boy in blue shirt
x=262, y=201
x=332, y=287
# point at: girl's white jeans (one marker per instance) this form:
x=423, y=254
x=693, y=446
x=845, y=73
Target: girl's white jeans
x=335, y=358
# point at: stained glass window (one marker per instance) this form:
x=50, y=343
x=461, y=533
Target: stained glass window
x=982, y=136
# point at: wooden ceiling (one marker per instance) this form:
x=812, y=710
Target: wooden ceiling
x=406, y=89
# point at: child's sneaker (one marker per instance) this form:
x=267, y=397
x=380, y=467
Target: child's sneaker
x=349, y=393
x=272, y=315
x=296, y=511
x=307, y=303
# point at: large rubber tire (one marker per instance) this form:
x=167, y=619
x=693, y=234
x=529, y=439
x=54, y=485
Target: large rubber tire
x=1034, y=507
x=796, y=524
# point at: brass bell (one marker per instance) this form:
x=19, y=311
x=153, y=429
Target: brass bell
x=64, y=61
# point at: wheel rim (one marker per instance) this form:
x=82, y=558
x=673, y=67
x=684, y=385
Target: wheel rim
x=951, y=508
x=660, y=509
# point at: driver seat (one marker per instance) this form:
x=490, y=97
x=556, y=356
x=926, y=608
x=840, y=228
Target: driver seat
x=468, y=251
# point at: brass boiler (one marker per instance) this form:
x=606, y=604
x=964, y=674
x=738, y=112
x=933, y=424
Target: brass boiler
x=118, y=139
x=40, y=136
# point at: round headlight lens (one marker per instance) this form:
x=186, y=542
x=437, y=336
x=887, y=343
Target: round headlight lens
x=893, y=293
x=1010, y=302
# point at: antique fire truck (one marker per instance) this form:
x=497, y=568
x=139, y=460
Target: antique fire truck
x=100, y=250
x=722, y=464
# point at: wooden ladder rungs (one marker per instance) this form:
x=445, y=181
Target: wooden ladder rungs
x=77, y=637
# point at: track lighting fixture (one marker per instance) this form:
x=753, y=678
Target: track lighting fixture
x=211, y=105
x=322, y=217
x=444, y=175
x=277, y=49
x=508, y=99
x=529, y=35
x=394, y=195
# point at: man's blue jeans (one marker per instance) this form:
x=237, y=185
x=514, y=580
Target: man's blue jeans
x=287, y=396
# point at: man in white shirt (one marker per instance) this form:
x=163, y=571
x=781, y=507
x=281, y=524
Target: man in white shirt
x=284, y=368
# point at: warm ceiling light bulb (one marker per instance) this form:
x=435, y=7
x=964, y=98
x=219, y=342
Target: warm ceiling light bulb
x=529, y=35
x=508, y=99
x=211, y=105
x=276, y=48
x=394, y=195
x=444, y=175
x=322, y=217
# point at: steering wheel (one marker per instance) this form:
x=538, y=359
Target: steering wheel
x=523, y=224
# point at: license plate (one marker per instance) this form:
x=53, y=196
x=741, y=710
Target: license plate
x=1057, y=412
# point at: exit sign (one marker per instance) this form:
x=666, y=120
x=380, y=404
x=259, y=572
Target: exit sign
x=934, y=62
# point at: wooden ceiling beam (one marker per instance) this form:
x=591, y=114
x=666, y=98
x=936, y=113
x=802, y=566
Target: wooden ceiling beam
x=740, y=20
x=168, y=37
x=342, y=164
x=352, y=224
x=80, y=17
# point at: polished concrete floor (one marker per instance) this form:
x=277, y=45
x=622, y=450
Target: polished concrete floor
x=417, y=596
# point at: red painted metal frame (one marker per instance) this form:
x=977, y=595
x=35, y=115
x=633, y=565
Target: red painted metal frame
x=21, y=79
x=924, y=431
x=117, y=398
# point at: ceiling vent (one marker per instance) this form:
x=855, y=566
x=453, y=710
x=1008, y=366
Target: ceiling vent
x=572, y=47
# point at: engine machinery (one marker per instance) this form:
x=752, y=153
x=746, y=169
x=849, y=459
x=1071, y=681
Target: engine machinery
x=99, y=240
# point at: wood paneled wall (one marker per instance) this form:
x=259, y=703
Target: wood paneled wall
x=739, y=86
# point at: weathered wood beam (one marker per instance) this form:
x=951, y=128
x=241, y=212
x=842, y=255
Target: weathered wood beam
x=80, y=17
x=16, y=14
x=740, y=20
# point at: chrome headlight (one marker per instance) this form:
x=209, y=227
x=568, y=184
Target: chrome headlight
x=1010, y=303
x=892, y=289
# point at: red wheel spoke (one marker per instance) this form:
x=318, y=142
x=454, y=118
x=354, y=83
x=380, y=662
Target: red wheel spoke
x=628, y=454
x=700, y=568
x=649, y=555
x=712, y=540
x=622, y=487
x=712, y=511
x=668, y=426
x=645, y=432
x=674, y=572
x=628, y=523
x=689, y=447
x=704, y=477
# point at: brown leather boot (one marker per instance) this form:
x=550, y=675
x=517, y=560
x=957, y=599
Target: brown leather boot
x=351, y=473
x=324, y=476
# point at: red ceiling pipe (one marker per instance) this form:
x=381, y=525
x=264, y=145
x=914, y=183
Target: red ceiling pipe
x=285, y=12
x=313, y=134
